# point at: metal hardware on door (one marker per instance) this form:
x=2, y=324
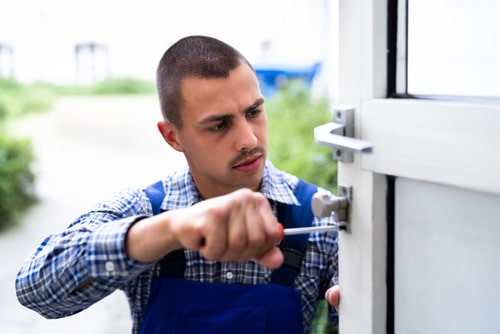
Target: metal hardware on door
x=338, y=135
x=324, y=203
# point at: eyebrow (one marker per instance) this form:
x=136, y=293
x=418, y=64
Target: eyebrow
x=256, y=104
x=215, y=118
x=218, y=118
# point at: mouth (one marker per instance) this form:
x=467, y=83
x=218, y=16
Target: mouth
x=249, y=165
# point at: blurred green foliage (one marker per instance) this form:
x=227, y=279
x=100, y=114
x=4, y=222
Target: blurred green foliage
x=16, y=179
x=17, y=99
x=320, y=324
x=111, y=86
x=16, y=156
x=292, y=116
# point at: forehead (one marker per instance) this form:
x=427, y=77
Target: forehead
x=220, y=95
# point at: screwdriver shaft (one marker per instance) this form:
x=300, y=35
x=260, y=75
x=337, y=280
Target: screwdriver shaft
x=306, y=230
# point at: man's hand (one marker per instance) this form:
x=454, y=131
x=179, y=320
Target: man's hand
x=332, y=296
x=239, y=226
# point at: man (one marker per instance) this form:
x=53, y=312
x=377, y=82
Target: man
x=198, y=251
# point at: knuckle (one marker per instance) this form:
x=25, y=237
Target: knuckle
x=215, y=212
x=238, y=245
x=214, y=251
x=258, y=239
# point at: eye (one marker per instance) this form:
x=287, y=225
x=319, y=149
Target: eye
x=253, y=113
x=219, y=126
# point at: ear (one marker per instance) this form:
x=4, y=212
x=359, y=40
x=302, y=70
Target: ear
x=169, y=133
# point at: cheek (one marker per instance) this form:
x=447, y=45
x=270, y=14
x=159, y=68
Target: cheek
x=206, y=154
x=262, y=135
x=263, y=129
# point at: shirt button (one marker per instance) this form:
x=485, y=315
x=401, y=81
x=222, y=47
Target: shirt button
x=110, y=266
x=229, y=275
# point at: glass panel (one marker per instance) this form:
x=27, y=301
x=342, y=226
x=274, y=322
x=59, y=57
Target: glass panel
x=446, y=259
x=453, y=48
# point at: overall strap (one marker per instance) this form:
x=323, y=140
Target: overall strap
x=294, y=247
x=176, y=259
x=156, y=194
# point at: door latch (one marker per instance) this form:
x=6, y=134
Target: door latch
x=323, y=204
x=339, y=134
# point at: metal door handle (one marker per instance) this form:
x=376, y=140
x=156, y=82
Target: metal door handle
x=325, y=135
x=338, y=135
x=323, y=204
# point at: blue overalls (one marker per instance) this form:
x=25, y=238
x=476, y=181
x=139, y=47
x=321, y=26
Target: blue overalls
x=181, y=306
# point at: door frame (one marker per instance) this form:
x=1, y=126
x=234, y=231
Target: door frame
x=362, y=72
x=445, y=142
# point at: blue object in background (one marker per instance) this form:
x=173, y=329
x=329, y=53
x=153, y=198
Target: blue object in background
x=272, y=77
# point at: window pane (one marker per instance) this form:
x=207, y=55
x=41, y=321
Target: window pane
x=453, y=47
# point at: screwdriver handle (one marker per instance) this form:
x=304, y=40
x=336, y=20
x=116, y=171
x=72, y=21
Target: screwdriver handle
x=282, y=231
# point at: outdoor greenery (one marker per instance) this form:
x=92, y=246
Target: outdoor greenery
x=16, y=179
x=16, y=155
x=292, y=116
x=111, y=86
x=320, y=324
x=17, y=99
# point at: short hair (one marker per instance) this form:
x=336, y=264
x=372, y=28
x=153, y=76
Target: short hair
x=193, y=56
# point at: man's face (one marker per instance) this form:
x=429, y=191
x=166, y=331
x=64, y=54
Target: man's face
x=224, y=134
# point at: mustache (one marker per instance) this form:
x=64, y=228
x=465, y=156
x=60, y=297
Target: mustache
x=246, y=154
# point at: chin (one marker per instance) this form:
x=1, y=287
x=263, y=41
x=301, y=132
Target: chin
x=255, y=183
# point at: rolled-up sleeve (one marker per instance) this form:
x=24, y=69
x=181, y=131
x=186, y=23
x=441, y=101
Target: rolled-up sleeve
x=92, y=249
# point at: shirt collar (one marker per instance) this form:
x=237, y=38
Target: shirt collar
x=278, y=186
x=181, y=190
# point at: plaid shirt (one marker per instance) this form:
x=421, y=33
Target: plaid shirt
x=93, y=247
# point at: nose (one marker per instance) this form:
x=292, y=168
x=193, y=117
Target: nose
x=245, y=137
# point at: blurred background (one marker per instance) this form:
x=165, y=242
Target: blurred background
x=70, y=42
x=78, y=112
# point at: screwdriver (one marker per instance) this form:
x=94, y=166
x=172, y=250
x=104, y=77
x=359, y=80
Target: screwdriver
x=302, y=230
x=307, y=230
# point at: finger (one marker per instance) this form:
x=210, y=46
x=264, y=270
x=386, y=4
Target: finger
x=273, y=231
x=187, y=227
x=273, y=258
x=213, y=245
x=252, y=219
x=332, y=296
x=226, y=227
x=247, y=227
x=264, y=232
x=237, y=234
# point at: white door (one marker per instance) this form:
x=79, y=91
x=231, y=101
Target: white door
x=423, y=251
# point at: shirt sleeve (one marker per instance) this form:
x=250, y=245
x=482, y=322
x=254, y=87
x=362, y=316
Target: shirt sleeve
x=91, y=248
